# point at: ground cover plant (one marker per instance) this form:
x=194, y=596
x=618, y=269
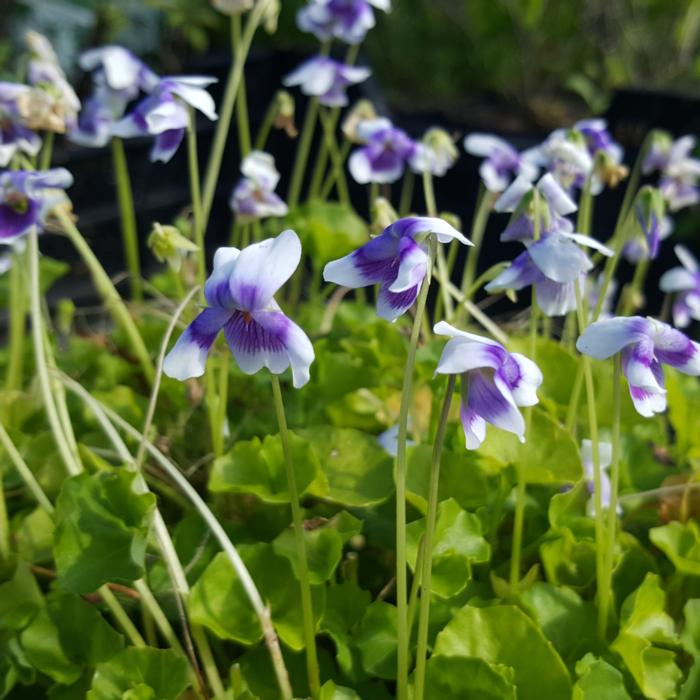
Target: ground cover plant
x=313, y=465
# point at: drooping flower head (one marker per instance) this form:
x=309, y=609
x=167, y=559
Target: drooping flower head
x=240, y=297
x=119, y=70
x=384, y=156
x=15, y=137
x=397, y=260
x=607, y=154
x=646, y=225
x=565, y=155
x=326, y=79
x=605, y=460
x=685, y=281
x=502, y=163
x=436, y=153
x=168, y=245
x=164, y=113
x=346, y=20
x=26, y=198
x=645, y=345
x=254, y=196
x=680, y=172
x=495, y=383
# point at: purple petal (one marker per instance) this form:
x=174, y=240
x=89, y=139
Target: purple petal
x=374, y=262
x=559, y=258
x=166, y=144
x=555, y=298
x=675, y=349
x=390, y=305
x=606, y=337
x=522, y=273
x=474, y=427
x=413, y=266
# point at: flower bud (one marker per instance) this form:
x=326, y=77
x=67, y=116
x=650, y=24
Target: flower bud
x=168, y=245
x=232, y=7
x=441, y=152
x=271, y=16
x=284, y=107
x=383, y=214
x=362, y=110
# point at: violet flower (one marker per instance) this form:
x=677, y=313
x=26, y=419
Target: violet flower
x=119, y=70
x=397, y=260
x=15, y=137
x=326, y=79
x=605, y=459
x=599, y=139
x=27, y=197
x=165, y=115
x=502, y=162
x=346, y=20
x=680, y=172
x=97, y=119
x=384, y=156
x=436, y=153
x=565, y=155
x=240, y=297
x=685, y=280
x=645, y=345
x=495, y=383
x=254, y=196
x=646, y=226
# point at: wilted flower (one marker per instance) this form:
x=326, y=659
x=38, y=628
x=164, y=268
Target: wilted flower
x=232, y=7
x=495, y=383
x=168, y=245
x=502, y=162
x=254, y=196
x=346, y=20
x=363, y=110
x=436, y=153
x=385, y=154
x=27, y=197
x=680, y=172
x=284, y=113
x=645, y=345
x=326, y=79
x=165, y=115
x=240, y=300
x=684, y=280
x=14, y=136
x=605, y=459
x=397, y=260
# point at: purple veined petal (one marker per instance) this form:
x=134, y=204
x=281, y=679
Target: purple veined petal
x=685, y=308
x=259, y=166
x=522, y=273
x=640, y=366
x=415, y=225
x=556, y=298
x=674, y=348
x=378, y=165
x=487, y=400
x=217, y=289
x=167, y=114
x=15, y=223
x=191, y=90
x=391, y=305
x=511, y=198
x=462, y=355
x=589, y=242
x=367, y=128
x=521, y=228
x=687, y=259
x=130, y=126
x=494, y=181
x=166, y=144
x=34, y=182
x=372, y=263
x=262, y=268
x=604, y=338
x=413, y=266
x=557, y=198
x=647, y=402
x=188, y=357
x=523, y=378
x=474, y=427
x=559, y=258
x=677, y=279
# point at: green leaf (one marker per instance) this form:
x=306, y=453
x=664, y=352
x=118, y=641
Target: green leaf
x=690, y=637
x=50, y=271
x=598, y=679
x=102, y=527
x=358, y=470
x=331, y=691
x=461, y=478
x=645, y=628
x=466, y=678
x=458, y=542
x=683, y=396
x=20, y=599
x=680, y=542
x=324, y=549
x=140, y=674
x=35, y=536
x=550, y=455
x=568, y=560
x=503, y=635
x=376, y=639
x=256, y=467
x=220, y=602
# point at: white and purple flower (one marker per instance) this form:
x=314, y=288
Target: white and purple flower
x=165, y=115
x=397, y=260
x=605, y=459
x=565, y=155
x=645, y=345
x=119, y=70
x=436, y=153
x=326, y=79
x=26, y=198
x=346, y=20
x=15, y=137
x=502, y=163
x=495, y=383
x=384, y=156
x=254, y=196
x=240, y=297
x=685, y=280
x=680, y=172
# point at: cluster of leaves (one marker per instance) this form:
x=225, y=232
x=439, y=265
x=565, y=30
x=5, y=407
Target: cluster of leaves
x=57, y=636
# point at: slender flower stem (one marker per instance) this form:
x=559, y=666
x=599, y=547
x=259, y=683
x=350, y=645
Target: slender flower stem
x=242, y=119
x=334, y=174
x=196, y=195
x=69, y=458
x=5, y=548
x=298, y=521
x=302, y=156
x=46, y=151
x=119, y=614
x=431, y=519
x=595, y=447
x=130, y=239
x=485, y=200
x=336, y=156
x=400, y=476
x=109, y=294
x=629, y=299
x=406, y=198
x=266, y=125
x=226, y=112
x=18, y=316
x=151, y=604
x=606, y=593
x=431, y=208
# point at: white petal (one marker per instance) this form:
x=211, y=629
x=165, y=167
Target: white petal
x=687, y=258
x=360, y=167
x=589, y=242
x=483, y=145
x=558, y=258
x=525, y=391
x=606, y=337
x=461, y=355
x=512, y=197
x=555, y=195
x=413, y=266
x=196, y=97
x=677, y=279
